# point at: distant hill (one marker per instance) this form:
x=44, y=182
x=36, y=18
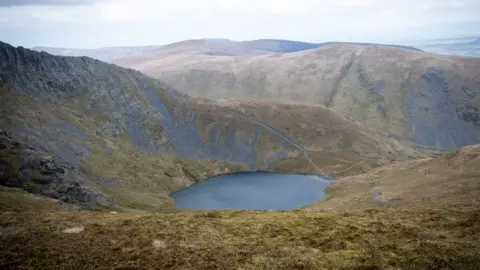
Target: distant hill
x=226, y=47
x=288, y=46
x=430, y=100
x=104, y=54
x=476, y=42
x=456, y=46
x=279, y=46
x=206, y=47
x=220, y=47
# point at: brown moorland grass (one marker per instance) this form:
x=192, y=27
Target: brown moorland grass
x=451, y=178
x=434, y=225
x=439, y=231
x=426, y=238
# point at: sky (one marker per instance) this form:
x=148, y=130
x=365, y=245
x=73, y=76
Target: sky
x=104, y=23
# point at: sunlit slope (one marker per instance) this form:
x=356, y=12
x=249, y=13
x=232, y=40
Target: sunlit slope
x=451, y=178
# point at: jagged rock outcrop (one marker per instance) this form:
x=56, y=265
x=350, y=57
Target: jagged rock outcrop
x=40, y=173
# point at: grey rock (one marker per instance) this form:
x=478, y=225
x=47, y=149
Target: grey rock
x=435, y=120
x=40, y=173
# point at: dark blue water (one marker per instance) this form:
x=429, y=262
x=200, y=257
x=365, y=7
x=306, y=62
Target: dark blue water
x=253, y=191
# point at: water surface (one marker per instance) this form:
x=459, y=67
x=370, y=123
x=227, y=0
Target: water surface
x=253, y=191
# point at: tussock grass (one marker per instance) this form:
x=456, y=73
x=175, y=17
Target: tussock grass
x=436, y=226
x=441, y=238
x=451, y=178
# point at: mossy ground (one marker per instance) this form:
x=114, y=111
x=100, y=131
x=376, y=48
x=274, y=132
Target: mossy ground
x=451, y=178
x=141, y=181
x=415, y=238
x=441, y=231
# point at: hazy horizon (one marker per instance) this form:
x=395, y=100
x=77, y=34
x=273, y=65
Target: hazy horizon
x=117, y=23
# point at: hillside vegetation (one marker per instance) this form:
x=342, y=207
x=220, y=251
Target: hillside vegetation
x=448, y=179
x=430, y=101
x=432, y=224
x=376, y=239
x=84, y=131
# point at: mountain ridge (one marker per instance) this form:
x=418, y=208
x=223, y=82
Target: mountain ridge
x=431, y=101
x=204, y=46
x=103, y=54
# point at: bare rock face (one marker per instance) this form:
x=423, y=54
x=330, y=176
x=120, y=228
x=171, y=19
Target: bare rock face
x=37, y=172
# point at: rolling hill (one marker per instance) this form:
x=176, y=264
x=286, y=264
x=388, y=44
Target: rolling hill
x=456, y=46
x=223, y=47
x=430, y=101
x=80, y=130
x=103, y=54
x=446, y=179
x=220, y=47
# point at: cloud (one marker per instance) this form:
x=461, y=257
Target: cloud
x=97, y=23
x=12, y=3
x=356, y=3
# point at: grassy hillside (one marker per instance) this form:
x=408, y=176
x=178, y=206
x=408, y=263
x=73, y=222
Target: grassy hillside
x=434, y=225
x=376, y=239
x=431, y=101
x=452, y=178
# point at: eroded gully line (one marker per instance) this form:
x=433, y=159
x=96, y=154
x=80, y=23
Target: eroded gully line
x=290, y=141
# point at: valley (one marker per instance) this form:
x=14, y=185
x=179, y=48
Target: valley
x=122, y=127
x=91, y=152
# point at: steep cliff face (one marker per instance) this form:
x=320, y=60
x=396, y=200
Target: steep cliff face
x=431, y=101
x=101, y=134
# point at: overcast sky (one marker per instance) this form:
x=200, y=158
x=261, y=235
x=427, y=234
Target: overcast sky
x=99, y=23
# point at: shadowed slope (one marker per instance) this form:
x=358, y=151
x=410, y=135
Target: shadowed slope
x=429, y=100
